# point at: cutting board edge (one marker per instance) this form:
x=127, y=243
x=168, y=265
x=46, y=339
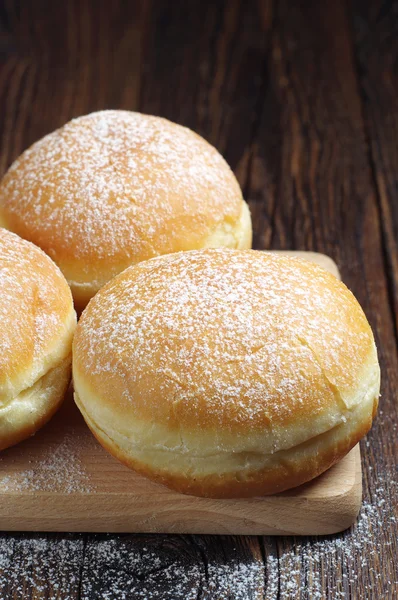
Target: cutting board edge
x=315, y=515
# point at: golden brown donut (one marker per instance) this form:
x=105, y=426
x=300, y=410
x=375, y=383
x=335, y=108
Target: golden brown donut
x=37, y=325
x=113, y=188
x=226, y=373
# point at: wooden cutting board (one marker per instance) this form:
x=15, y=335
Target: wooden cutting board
x=61, y=479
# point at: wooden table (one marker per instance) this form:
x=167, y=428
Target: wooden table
x=302, y=100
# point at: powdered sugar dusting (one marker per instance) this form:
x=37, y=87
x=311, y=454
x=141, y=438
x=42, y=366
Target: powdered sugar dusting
x=60, y=470
x=228, y=329
x=118, y=184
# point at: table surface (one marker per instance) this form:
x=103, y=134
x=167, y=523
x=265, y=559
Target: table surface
x=301, y=99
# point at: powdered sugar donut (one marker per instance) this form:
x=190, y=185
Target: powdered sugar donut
x=226, y=373
x=113, y=188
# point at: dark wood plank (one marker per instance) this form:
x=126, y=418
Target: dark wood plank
x=311, y=149
x=206, y=68
x=64, y=59
x=375, y=27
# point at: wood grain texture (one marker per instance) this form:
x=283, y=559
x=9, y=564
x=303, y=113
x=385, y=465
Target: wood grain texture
x=375, y=27
x=325, y=199
x=285, y=90
x=61, y=479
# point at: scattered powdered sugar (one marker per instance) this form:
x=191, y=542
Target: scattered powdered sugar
x=59, y=470
x=118, y=183
x=166, y=570
x=42, y=566
x=338, y=563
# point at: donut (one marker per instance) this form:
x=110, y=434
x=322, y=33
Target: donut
x=37, y=325
x=113, y=188
x=226, y=373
